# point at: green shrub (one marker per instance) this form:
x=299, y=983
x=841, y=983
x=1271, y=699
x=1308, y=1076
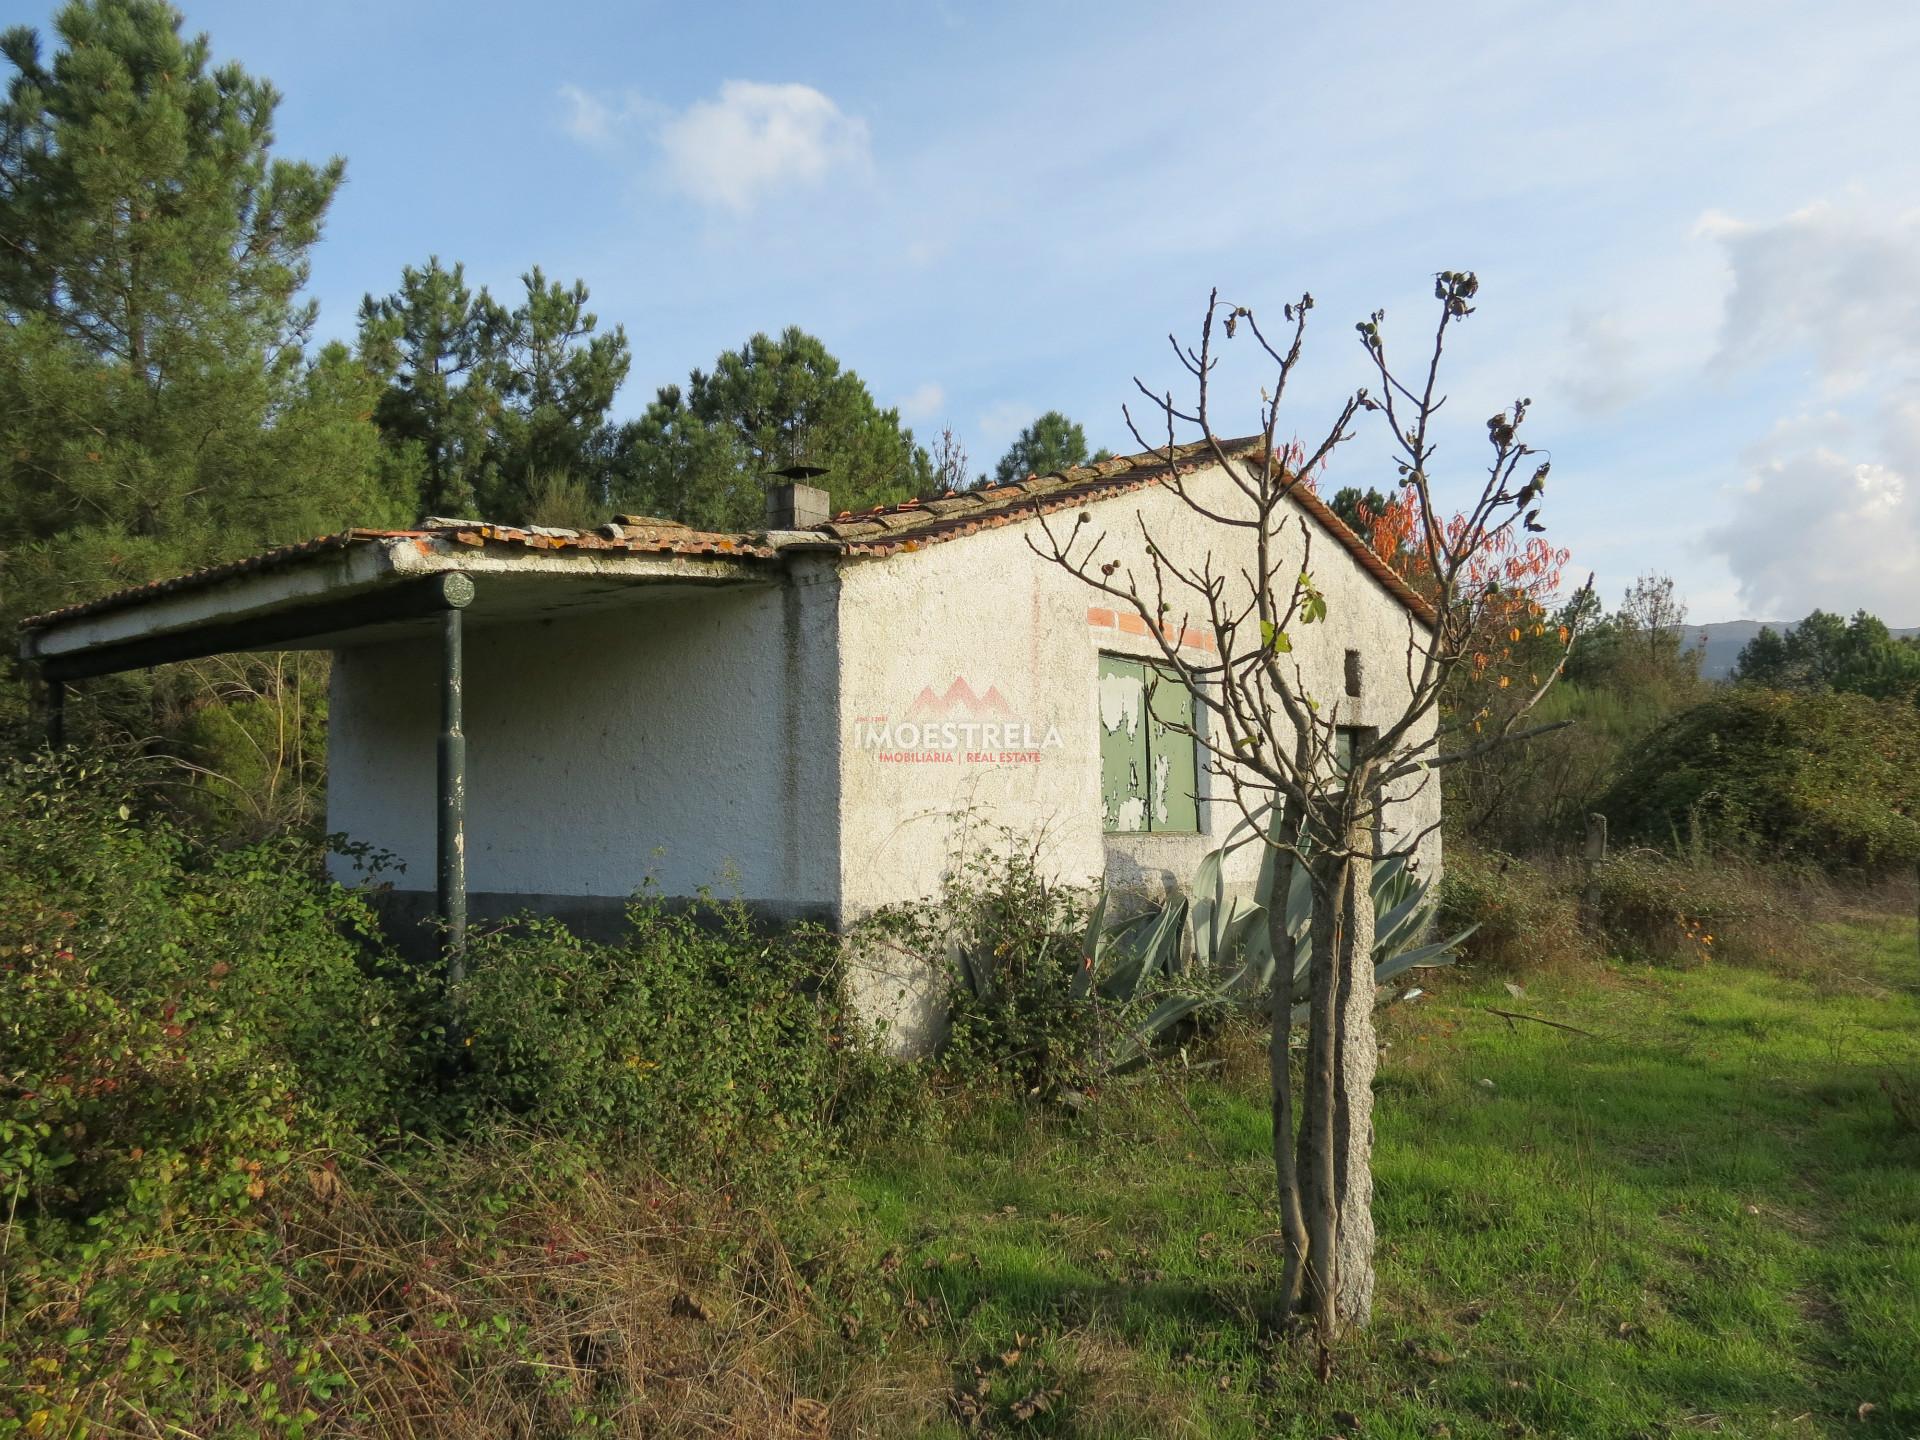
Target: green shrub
x=173, y=1018
x=696, y=1044
x=1009, y=942
x=1830, y=780
x=1526, y=919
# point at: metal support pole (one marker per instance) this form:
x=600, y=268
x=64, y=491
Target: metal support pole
x=452, y=876
x=56, y=714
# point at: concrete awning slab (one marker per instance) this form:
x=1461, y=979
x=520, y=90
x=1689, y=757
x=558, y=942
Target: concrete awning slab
x=367, y=586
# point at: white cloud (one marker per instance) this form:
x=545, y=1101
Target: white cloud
x=602, y=121
x=1829, y=514
x=588, y=118
x=927, y=402
x=1818, y=527
x=1599, y=373
x=1842, y=284
x=754, y=139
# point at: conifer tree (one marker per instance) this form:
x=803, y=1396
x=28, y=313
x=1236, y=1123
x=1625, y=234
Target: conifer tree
x=704, y=454
x=157, y=405
x=1052, y=442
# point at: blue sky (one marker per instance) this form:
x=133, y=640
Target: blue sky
x=1697, y=225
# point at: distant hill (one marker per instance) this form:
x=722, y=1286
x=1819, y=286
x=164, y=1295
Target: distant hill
x=1722, y=643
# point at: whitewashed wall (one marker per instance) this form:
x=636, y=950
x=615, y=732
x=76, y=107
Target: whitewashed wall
x=672, y=739
x=987, y=610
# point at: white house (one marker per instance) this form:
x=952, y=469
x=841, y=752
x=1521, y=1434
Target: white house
x=804, y=717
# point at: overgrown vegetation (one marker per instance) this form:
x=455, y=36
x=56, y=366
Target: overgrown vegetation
x=1825, y=779
x=668, y=1189
x=206, y=1052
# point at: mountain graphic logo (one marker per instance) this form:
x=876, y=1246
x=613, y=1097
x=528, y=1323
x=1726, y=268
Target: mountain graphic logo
x=960, y=701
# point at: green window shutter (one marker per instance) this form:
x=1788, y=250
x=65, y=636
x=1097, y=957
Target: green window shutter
x=1172, y=802
x=1123, y=745
x=1148, y=774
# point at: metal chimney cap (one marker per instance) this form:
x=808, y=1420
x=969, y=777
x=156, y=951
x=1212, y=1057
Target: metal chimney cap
x=801, y=472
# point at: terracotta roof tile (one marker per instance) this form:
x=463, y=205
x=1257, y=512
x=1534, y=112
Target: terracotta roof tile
x=883, y=530
x=651, y=538
x=921, y=523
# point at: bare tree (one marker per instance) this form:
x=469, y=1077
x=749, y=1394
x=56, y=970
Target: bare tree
x=950, y=461
x=1273, y=743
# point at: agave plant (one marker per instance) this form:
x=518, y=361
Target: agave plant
x=1217, y=949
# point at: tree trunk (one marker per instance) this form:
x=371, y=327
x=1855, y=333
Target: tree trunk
x=1286, y=1171
x=1318, y=1167
x=1357, y=1059
x=1335, y=1154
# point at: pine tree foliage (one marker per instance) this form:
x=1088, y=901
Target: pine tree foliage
x=1052, y=442
x=704, y=454
x=158, y=408
x=495, y=412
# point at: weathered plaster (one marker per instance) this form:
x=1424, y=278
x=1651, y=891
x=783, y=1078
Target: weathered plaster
x=605, y=750
x=989, y=611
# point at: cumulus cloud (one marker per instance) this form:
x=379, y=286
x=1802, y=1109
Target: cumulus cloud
x=1829, y=512
x=1815, y=525
x=753, y=139
x=731, y=151
x=1842, y=284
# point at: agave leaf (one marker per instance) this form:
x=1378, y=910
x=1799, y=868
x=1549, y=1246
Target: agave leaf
x=1209, y=909
x=1158, y=1021
x=975, y=965
x=1388, y=870
x=1092, y=943
x=1152, y=944
x=1402, y=922
x=1423, y=956
x=1299, y=903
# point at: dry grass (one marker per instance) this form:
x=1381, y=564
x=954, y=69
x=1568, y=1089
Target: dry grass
x=506, y=1291
x=653, y=1311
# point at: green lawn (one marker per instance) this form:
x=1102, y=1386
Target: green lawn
x=1702, y=1218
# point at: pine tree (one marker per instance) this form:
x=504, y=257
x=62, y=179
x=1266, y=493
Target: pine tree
x=500, y=412
x=431, y=341
x=157, y=407
x=704, y=454
x=1052, y=442
x=557, y=379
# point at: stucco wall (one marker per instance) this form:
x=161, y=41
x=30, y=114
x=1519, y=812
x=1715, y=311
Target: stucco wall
x=989, y=612
x=748, y=738
x=686, y=740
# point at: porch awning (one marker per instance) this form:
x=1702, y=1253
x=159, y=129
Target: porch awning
x=368, y=585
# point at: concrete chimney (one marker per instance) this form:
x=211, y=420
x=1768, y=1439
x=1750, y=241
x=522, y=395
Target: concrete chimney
x=793, y=506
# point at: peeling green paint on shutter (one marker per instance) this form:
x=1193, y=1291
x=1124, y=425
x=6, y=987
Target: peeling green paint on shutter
x=1123, y=745
x=1147, y=771
x=1171, y=798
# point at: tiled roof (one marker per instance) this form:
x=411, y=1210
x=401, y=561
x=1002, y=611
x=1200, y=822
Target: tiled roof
x=885, y=530
x=890, y=529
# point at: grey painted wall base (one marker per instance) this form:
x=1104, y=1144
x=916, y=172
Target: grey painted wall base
x=408, y=916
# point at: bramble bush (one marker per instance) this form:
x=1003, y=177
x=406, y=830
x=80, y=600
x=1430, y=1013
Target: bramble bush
x=1823, y=779
x=698, y=1044
x=1008, y=942
x=1691, y=910
x=200, y=1048
x=173, y=1018
x=1522, y=917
